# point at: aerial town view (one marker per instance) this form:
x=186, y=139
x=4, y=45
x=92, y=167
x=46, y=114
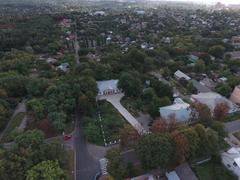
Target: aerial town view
x=119, y=90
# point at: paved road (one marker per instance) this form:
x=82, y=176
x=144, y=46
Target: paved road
x=86, y=166
x=233, y=126
x=115, y=101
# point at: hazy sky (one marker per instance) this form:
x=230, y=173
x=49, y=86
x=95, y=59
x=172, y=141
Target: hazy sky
x=214, y=1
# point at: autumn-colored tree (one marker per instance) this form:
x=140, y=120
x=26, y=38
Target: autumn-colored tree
x=159, y=126
x=181, y=145
x=163, y=125
x=220, y=111
x=129, y=137
x=200, y=112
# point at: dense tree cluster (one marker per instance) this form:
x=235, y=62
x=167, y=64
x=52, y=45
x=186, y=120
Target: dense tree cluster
x=32, y=158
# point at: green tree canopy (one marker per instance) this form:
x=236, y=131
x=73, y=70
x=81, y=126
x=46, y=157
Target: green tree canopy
x=156, y=150
x=47, y=170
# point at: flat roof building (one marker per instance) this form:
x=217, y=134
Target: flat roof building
x=180, y=110
x=108, y=87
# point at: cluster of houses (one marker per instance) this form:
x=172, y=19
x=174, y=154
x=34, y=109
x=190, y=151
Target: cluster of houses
x=67, y=39
x=179, y=109
x=182, y=111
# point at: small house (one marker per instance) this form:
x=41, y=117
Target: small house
x=231, y=159
x=179, y=75
x=180, y=110
x=108, y=87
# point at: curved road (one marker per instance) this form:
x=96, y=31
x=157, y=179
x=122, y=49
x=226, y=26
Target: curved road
x=85, y=165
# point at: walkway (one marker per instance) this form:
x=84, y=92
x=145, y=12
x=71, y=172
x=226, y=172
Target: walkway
x=21, y=107
x=115, y=101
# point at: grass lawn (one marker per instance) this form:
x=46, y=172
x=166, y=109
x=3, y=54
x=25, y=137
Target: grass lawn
x=237, y=135
x=12, y=126
x=70, y=154
x=212, y=170
x=112, y=121
x=232, y=117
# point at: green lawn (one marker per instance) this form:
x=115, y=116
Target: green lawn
x=12, y=126
x=232, y=117
x=112, y=121
x=70, y=154
x=213, y=170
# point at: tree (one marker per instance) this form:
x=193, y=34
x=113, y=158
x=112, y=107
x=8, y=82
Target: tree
x=164, y=125
x=116, y=166
x=130, y=83
x=182, y=146
x=199, y=66
x=221, y=111
x=30, y=138
x=159, y=126
x=161, y=89
x=212, y=141
x=200, y=112
x=218, y=127
x=129, y=136
x=224, y=89
x=191, y=88
x=156, y=150
x=36, y=107
x=37, y=86
x=201, y=131
x=47, y=170
x=58, y=120
x=217, y=51
x=193, y=142
x=148, y=95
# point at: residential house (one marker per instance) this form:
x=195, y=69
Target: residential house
x=192, y=58
x=108, y=87
x=231, y=159
x=179, y=75
x=172, y=175
x=235, y=97
x=211, y=99
x=63, y=67
x=236, y=41
x=180, y=110
x=209, y=83
x=235, y=55
x=99, y=13
x=201, y=88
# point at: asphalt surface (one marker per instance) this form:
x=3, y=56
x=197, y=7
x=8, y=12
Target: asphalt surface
x=85, y=165
x=233, y=126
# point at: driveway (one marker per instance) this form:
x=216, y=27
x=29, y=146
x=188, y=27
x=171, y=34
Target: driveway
x=233, y=126
x=115, y=101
